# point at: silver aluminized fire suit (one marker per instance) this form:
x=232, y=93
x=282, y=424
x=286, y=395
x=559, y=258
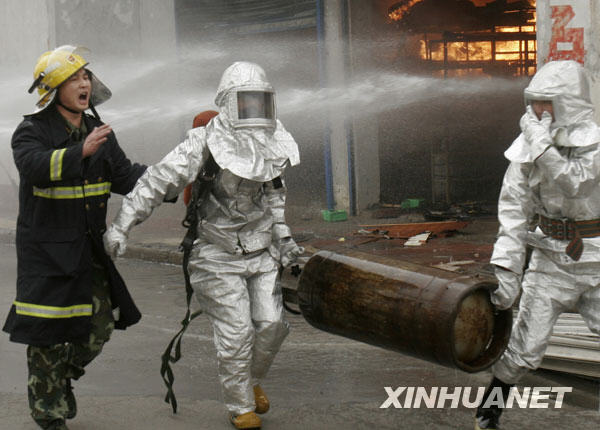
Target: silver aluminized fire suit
x=554, y=172
x=242, y=235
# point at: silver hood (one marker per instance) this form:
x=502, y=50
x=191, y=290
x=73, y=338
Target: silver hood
x=258, y=152
x=566, y=85
x=241, y=75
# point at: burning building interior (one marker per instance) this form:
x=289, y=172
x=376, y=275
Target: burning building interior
x=453, y=143
x=457, y=38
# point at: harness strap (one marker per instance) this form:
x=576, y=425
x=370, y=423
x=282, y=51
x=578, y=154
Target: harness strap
x=166, y=372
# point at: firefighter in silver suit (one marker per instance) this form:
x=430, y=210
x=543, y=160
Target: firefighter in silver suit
x=242, y=235
x=550, y=200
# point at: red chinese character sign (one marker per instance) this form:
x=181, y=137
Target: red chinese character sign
x=566, y=43
x=570, y=21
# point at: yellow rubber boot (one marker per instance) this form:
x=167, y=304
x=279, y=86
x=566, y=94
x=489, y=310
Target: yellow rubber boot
x=246, y=421
x=261, y=400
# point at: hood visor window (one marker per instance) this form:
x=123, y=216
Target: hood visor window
x=255, y=104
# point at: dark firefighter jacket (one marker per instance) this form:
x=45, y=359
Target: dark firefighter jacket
x=62, y=216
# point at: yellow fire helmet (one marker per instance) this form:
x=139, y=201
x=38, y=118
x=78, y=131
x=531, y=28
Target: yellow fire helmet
x=55, y=67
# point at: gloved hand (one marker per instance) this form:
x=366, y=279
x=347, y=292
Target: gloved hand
x=536, y=131
x=509, y=285
x=115, y=241
x=289, y=251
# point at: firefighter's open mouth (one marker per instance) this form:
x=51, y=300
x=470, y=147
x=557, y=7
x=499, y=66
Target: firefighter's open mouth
x=83, y=97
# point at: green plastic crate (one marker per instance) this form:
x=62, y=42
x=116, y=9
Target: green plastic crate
x=335, y=215
x=411, y=203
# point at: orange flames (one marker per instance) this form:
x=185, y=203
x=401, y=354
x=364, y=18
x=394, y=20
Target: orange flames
x=513, y=47
x=398, y=13
x=516, y=29
x=479, y=51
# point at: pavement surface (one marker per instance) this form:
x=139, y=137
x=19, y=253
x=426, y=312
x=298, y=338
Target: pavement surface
x=318, y=381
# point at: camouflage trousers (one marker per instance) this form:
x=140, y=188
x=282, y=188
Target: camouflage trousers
x=51, y=368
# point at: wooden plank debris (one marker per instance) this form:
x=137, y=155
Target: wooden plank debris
x=404, y=231
x=453, y=266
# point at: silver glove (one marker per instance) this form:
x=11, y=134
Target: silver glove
x=289, y=251
x=509, y=285
x=536, y=131
x=115, y=241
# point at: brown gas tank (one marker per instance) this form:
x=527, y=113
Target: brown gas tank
x=417, y=310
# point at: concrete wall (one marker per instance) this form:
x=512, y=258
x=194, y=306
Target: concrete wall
x=26, y=30
x=365, y=22
x=336, y=75
x=353, y=39
x=117, y=27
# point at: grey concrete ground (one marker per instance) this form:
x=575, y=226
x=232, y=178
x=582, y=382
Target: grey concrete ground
x=319, y=381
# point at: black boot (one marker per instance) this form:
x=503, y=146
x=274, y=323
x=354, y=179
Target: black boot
x=70, y=398
x=58, y=424
x=489, y=418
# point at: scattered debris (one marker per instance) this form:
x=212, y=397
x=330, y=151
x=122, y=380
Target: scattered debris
x=388, y=212
x=460, y=211
x=405, y=231
x=453, y=266
x=377, y=234
x=418, y=239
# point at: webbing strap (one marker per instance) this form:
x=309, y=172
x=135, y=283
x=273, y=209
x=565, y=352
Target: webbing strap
x=166, y=372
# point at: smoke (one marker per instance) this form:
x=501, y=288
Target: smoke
x=155, y=99
x=152, y=91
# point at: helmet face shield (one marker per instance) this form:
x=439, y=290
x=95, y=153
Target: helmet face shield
x=252, y=108
x=255, y=104
x=100, y=92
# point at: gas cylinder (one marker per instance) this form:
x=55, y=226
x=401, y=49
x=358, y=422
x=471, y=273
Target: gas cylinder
x=432, y=314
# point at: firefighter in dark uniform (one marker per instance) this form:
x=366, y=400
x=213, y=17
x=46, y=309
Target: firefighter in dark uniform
x=69, y=293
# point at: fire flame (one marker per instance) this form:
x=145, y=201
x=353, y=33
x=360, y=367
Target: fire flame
x=479, y=51
x=398, y=13
x=514, y=46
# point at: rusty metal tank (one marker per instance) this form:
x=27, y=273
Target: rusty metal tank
x=428, y=313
